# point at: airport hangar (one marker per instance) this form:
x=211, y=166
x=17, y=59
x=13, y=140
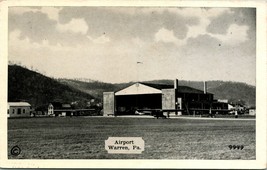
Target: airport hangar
x=145, y=96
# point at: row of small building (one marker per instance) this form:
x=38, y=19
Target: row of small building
x=24, y=109
x=140, y=97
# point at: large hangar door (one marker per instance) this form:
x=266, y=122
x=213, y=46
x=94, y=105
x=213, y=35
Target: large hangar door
x=128, y=104
x=109, y=103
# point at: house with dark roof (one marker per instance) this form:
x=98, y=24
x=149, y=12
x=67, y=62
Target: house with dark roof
x=66, y=109
x=147, y=96
x=60, y=109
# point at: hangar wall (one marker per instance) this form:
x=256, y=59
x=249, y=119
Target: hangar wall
x=109, y=103
x=168, y=98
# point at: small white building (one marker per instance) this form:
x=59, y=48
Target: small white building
x=230, y=107
x=252, y=111
x=50, y=109
x=19, y=109
x=223, y=100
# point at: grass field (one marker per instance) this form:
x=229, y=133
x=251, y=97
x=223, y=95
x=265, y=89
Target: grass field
x=84, y=138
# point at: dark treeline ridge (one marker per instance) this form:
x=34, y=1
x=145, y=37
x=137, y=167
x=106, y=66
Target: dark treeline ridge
x=37, y=89
x=27, y=85
x=233, y=91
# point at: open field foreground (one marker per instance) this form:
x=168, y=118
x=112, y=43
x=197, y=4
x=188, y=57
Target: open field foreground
x=84, y=138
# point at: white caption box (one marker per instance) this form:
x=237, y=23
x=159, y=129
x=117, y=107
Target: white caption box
x=125, y=145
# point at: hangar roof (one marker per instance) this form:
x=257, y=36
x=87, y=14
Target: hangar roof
x=138, y=88
x=159, y=86
x=149, y=88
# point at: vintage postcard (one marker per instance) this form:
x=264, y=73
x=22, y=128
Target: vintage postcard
x=123, y=84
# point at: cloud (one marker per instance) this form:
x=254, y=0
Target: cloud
x=14, y=37
x=184, y=22
x=235, y=35
x=119, y=25
x=206, y=16
x=236, y=27
x=199, y=12
x=76, y=42
x=185, y=12
x=202, y=43
x=51, y=12
x=38, y=27
x=34, y=25
x=94, y=60
x=165, y=35
x=75, y=25
x=100, y=40
x=196, y=30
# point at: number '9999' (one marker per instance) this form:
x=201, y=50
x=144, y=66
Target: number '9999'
x=237, y=147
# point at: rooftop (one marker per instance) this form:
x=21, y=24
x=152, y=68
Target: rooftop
x=150, y=88
x=181, y=89
x=159, y=86
x=18, y=104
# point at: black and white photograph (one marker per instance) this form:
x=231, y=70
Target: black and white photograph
x=136, y=82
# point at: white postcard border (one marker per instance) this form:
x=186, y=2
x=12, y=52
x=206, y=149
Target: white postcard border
x=261, y=120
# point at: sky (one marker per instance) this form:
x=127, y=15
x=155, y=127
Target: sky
x=122, y=44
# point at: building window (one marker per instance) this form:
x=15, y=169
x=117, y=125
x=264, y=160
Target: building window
x=23, y=111
x=13, y=111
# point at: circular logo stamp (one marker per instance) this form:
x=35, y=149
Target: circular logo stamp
x=15, y=151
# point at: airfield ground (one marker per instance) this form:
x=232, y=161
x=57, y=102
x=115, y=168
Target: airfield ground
x=84, y=138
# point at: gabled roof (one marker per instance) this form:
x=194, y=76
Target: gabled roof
x=149, y=88
x=66, y=105
x=159, y=86
x=59, y=105
x=18, y=104
x=137, y=89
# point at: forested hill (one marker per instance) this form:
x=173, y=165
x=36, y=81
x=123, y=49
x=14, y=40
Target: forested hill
x=38, y=90
x=233, y=91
